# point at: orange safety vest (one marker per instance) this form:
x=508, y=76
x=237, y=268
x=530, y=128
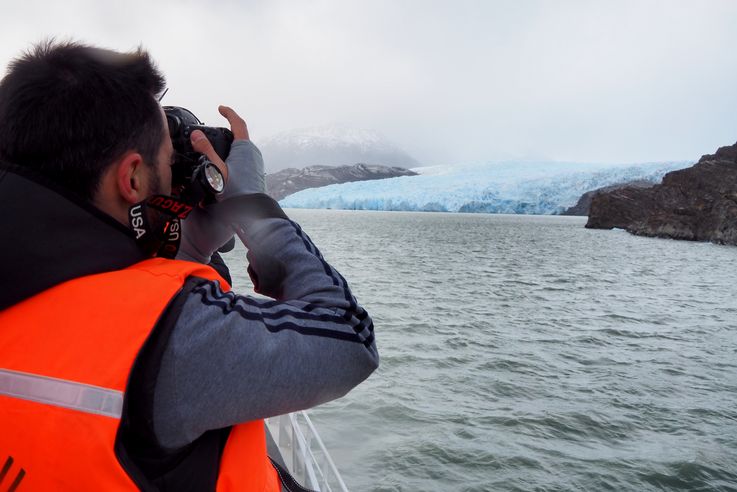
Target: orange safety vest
x=77, y=342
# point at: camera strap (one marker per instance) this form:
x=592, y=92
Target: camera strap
x=156, y=222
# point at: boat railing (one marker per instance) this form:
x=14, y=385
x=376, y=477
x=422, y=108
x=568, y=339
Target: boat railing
x=304, y=453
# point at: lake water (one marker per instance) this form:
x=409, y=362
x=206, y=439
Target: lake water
x=529, y=353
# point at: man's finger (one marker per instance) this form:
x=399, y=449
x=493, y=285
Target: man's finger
x=237, y=124
x=201, y=144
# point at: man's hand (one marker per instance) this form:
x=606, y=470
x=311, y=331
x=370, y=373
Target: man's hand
x=244, y=167
x=237, y=124
x=201, y=144
x=205, y=230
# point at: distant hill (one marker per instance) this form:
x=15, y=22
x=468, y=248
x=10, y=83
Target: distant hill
x=331, y=146
x=288, y=181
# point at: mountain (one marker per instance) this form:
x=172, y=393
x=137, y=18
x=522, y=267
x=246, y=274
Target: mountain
x=584, y=203
x=506, y=187
x=698, y=203
x=333, y=145
x=288, y=181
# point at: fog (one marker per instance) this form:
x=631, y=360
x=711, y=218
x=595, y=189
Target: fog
x=462, y=81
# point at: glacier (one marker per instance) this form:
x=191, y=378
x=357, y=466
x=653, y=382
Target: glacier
x=503, y=187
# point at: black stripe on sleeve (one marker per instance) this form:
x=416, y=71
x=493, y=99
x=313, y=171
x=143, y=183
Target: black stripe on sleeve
x=210, y=298
x=330, y=271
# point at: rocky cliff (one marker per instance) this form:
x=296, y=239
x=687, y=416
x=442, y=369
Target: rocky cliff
x=584, y=203
x=288, y=181
x=698, y=203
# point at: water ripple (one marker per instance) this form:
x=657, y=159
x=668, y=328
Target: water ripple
x=529, y=353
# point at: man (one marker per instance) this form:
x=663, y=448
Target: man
x=120, y=371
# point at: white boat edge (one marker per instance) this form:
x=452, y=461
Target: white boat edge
x=303, y=453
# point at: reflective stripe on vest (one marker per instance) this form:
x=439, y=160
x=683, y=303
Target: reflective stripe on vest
x=66, y=356
x=61, y=393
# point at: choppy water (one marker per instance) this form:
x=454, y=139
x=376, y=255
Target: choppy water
x=529, y=353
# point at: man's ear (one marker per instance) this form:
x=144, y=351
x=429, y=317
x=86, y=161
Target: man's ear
x=130, y=177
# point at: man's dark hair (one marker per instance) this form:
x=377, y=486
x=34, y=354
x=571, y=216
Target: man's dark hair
x=69, y=111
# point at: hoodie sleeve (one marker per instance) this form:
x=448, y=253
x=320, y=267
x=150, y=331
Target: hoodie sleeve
x=232, y=358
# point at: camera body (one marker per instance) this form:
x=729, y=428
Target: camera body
x=189, y=170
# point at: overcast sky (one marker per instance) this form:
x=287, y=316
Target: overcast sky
x=448, y=81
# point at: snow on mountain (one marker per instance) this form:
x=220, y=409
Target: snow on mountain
x=508, y=187
x=333, y=145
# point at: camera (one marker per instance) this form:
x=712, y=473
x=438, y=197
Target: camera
x=194, y=177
